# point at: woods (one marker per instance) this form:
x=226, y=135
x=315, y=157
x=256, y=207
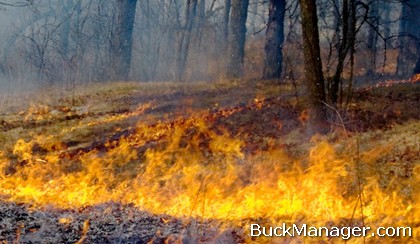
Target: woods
x=188, y=121
x=204, y=40
x=196, y=40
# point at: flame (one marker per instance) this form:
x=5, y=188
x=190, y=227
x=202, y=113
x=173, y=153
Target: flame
x=194, y=167
x=389, y=83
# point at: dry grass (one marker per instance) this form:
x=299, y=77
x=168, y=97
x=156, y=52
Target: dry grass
x=245, y=123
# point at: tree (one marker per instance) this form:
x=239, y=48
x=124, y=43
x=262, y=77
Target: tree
x=66, y=8
x=237, y=37
x=409, y=40
x=417, y=67
x=226, y=14
x=313, y=66
x=345, y=46
x=274, y=40
x=126, y=10
x=372, y=39
x=386, y=7
x=19, y=4
x=185, y=40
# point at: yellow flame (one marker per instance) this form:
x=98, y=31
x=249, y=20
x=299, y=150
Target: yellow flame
x=189, y=167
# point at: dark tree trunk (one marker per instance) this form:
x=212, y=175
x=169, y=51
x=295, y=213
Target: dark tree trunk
x=126, y=11
x=416, y=27
x=337, y=23
x=65, y=28
x=409, y=39
x=226, y=20
x=403, y=42
x=184, y=43
x=237, y=37
x=198, y=70
x=373, y=36
x=201, y=15
x=274, y=40
x=348, y=40
x=225, y=38
x=386, y=19
x=386, y=22
x=417, y=67
x=313, y=67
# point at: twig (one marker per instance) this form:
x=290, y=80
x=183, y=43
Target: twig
x=359, y=183
x=197, y=195
x=85, y=231
x=339, y=116
x=359, y=176
x=360, y=188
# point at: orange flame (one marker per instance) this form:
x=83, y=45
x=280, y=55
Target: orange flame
x=190, y=167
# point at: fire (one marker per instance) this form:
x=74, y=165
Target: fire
x=194, y=167
x=388, y=83
x=415, y=78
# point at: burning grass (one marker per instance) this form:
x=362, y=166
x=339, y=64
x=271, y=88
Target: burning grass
x=237, y=165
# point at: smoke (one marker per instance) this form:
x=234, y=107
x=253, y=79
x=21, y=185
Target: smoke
x=71, y=41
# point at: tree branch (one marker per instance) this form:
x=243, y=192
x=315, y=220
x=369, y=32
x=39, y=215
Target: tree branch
x=18, y=4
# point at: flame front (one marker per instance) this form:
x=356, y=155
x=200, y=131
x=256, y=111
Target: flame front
x=194, y=167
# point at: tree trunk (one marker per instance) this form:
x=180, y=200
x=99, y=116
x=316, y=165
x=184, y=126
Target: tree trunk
x=348, y=38
x=225, y=34
x=386, y=19
x=409, y=37
x=417, y=67
x=198, y=55
x=126, y=11
x=65, y=28
x=237, y=37
x=184, y=43
x=274, y=40
x=416, y=27
x=373, y=36
x=313, y=67
x=403, y=41
x=226, y=20
x=337, y=23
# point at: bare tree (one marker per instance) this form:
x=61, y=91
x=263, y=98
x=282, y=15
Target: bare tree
x=348, y=38
x=237, y=38
x=185, y=40
x=226, y=15
x=126, y=12
x=372, y=39
x=409, y=40
x=65, y=10
x=417, y=67
x=17, y=3
x=274, y=40
x=313, y=66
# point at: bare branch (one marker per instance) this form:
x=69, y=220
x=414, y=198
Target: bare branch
x=17, y=4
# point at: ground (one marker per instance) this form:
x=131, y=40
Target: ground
x=137, y=162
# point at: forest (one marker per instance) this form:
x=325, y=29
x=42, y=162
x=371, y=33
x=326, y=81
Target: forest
x=193, y=121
